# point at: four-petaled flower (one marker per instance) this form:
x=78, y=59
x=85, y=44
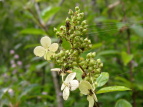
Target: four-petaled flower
x=69, y=85
x=86, y=89
x=47, y=49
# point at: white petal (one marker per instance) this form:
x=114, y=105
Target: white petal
x=39, y=51
x=66, y=93
x=45, y=42
x=90, y=100
x=95, y=98
x=74, y=84
x=53, y=47
x=56, y=69
x=48, y=55
x=84, y=87
x=63, y=86
x=70, y=77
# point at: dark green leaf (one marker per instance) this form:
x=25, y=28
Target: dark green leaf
x=112, y=89
x=33, y=31
x=122, y=103
x=108, y=52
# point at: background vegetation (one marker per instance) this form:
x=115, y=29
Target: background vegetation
x=116, y=32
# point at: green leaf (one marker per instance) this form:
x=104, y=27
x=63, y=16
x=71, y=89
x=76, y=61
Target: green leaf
x=126, y=58
x=97, y=45
x=48, y=12
x=33, y=31
x=122, y=103
x=112, y=89
x=138, y=30
x=124, y=81
x=78, y=73
x=102, y=79
x=66, y=44
x=109, y=52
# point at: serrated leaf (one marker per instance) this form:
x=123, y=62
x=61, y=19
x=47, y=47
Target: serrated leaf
x=78, y=73
x=48, y=12
x=126, y=58
x=102, y=79
x=122, y=103
x=66, y=44
x=33, y=31
x=138, y=30
x=112, y=89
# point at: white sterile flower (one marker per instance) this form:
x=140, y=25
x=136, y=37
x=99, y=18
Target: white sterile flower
x=86, y=89
x=69, y=85
x=56, y=69
x=47, y=49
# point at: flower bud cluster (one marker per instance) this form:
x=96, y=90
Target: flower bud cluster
x=73, y=32
x=92, y=66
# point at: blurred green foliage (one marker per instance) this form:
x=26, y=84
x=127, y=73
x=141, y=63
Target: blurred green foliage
x=116, y=32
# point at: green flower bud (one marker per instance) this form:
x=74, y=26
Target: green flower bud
x=58, y=61
x=101, y=65
x=84, y=30
x=76, y=8
x=55, y=30
x=70, y=12
x=95, y=84
x=61, y=52
x=67, y=19
x=81, y=14
x=78, y=33
x=98, y=61
x=93, y=54
x=78, y=18
x=85, y=26
x=90, y=46
x=64, y=64
x=75, y=52
x=98, y=70
x=92, y=61
x=58, y=33
x=88, y=41
x=74, y=63
x=97, y=75
x=85, y=40
x=83, y=22
x=88, y=55
x=90, y=68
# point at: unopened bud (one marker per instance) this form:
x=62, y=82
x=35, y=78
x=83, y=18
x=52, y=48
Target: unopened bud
x=76, y=8
x=98, y=60
x=84, y=22
x=55, y=29
x=67, y=19
x=70, y=12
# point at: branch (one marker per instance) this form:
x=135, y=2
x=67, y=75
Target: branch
x=57, y=88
